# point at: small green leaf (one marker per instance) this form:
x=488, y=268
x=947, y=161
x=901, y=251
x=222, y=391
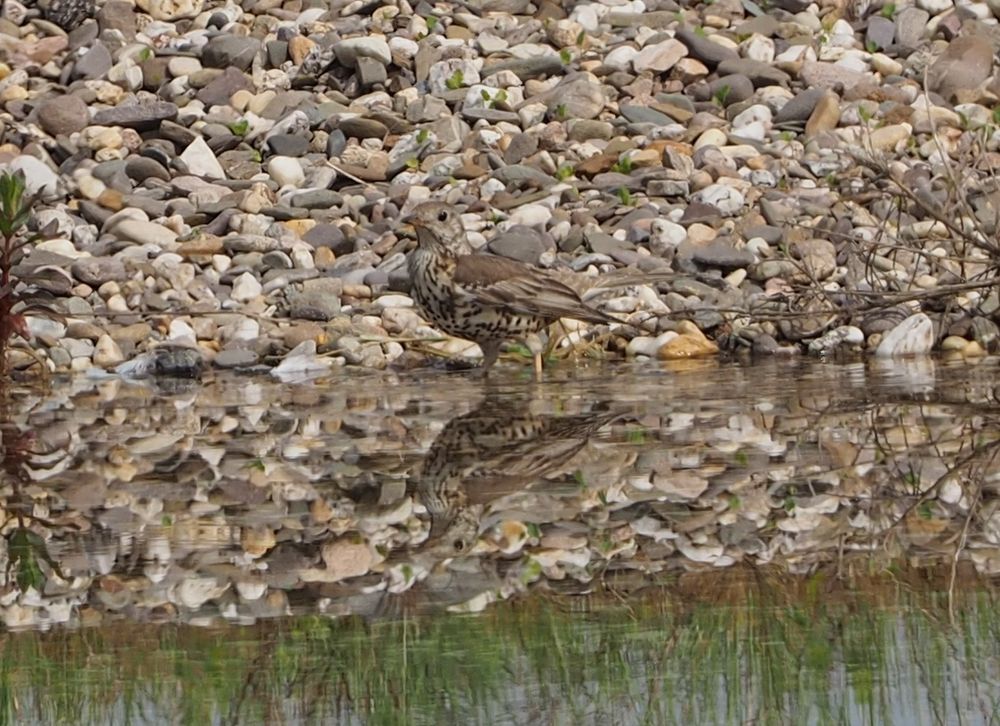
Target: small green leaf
x=624, y=195
x=531, y=572
x=623, y=165
x=455, y=81
x=564, y=172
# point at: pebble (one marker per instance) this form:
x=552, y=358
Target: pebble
x=200, y=160
x=246, y=288
x=286, y=171
x=63, y=115
x=107, y=353
x=913, y=336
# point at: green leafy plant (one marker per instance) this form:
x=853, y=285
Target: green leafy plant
x=240, y=128
x=21, y=295
x=888, y=10
x=565, y=56
x=564, y=172
x=721, y=94
x=422, y=135
x=624, y=196
x=455, y=81
x=623, y=165
x=561, y=112
x=872, y=47
x=431, y=22
x=27, y=550
x=636, y=436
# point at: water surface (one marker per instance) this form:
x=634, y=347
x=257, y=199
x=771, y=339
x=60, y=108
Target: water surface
x=789, y=542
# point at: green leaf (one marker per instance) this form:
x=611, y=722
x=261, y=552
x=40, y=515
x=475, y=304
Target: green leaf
x=624, y=196
x=455, y=81
x=564, y=172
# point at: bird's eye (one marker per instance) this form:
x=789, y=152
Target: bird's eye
x=459, y=545
x=442, y=216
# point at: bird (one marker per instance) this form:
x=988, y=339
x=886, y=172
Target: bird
x=481, y=297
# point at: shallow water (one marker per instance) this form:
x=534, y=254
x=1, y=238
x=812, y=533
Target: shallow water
x=789, y=542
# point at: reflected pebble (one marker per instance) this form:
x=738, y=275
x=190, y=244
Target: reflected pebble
x=193, y=592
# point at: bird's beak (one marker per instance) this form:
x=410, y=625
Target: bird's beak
x=411, y=219
x=408, y=228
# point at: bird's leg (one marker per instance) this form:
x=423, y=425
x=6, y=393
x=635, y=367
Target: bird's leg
x=536, y=347
x=491, y=351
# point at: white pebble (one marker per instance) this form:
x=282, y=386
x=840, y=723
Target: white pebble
x=286, y=170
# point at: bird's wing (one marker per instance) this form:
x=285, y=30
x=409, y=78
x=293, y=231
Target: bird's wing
x=504, y=283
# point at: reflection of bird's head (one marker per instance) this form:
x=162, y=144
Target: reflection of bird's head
x=454, y=532
x=439, y=227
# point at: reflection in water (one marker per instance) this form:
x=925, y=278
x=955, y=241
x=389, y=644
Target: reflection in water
x=243, y=501
x=498, y=448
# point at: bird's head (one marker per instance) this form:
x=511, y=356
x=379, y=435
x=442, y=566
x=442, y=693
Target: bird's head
x=439, y=228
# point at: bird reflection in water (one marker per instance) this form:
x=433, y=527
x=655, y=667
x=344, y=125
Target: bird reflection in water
x=498, y=449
